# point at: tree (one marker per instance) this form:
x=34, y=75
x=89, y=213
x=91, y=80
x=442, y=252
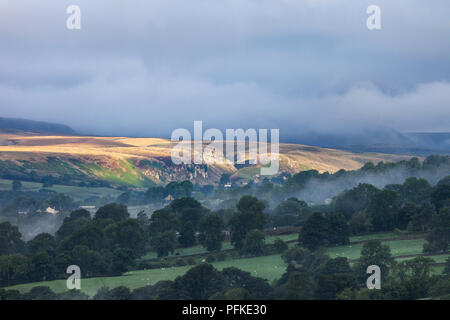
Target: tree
x=280, y=246
x=122, y=259
x=164, y=243
x=91, y=236
x=254, y=243
x=143, y=220
x=126, y=234
x=42, y=242
x=382, y=210
x=415, y=190
x=298, y=286
x=76, y=221
x=187, y=234
x=250, y=216
x=257, y=288
x=440, y=196
x=42, y=267
x=439, y=233
x=16, y=185
x=118, y=293
x=163, y=220
x=10, y=239
x=334, y=277
x=315, y=232
x=40, y=293
x=180, y=189
x=355, y=200
x=199, y=283
x=236, y=293
x=14, y=269
x=290, y=212
x=339, y=230
x=189, y=212
x=156, y=194
x=374, y=253
x=112, y=211
x=211, y=235
x=421, y=218
x=411, y=279
x=63, y=202
x=90, y=262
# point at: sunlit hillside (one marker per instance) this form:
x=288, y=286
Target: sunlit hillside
x=147, y=161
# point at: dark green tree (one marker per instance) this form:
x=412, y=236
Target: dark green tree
x=14, y=269
x=355, y=200
x=339, y=230
x=382, y=210
x=199, y=283
x=334, y=277
x=122, y=260
x=315, y=231
x=76, y=221
x=440, y=196
x=439, y=231
x=164, y=243
x=254, y=243
x=42, y=242
x=42, y=267
x=10, y=239
x=112, y=211
x=163, y=220
x=249, y=216
x=126, y=234
x=211, y=235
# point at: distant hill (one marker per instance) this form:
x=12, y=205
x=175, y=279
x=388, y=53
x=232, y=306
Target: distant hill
x=25, y=125
x=142, y=162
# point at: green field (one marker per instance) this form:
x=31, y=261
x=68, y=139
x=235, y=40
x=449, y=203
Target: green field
x=78, y=193
x=268, y=267
x=398, y=248
x=225, y=246
x=441, y=258
x=374, y=236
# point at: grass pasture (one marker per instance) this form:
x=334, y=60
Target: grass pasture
x=398, y=248
x=267, y=267
x=225, y=246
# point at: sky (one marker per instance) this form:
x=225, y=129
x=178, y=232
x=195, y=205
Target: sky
x=148, y=67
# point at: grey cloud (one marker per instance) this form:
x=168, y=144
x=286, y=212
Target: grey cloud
x=148, y=67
